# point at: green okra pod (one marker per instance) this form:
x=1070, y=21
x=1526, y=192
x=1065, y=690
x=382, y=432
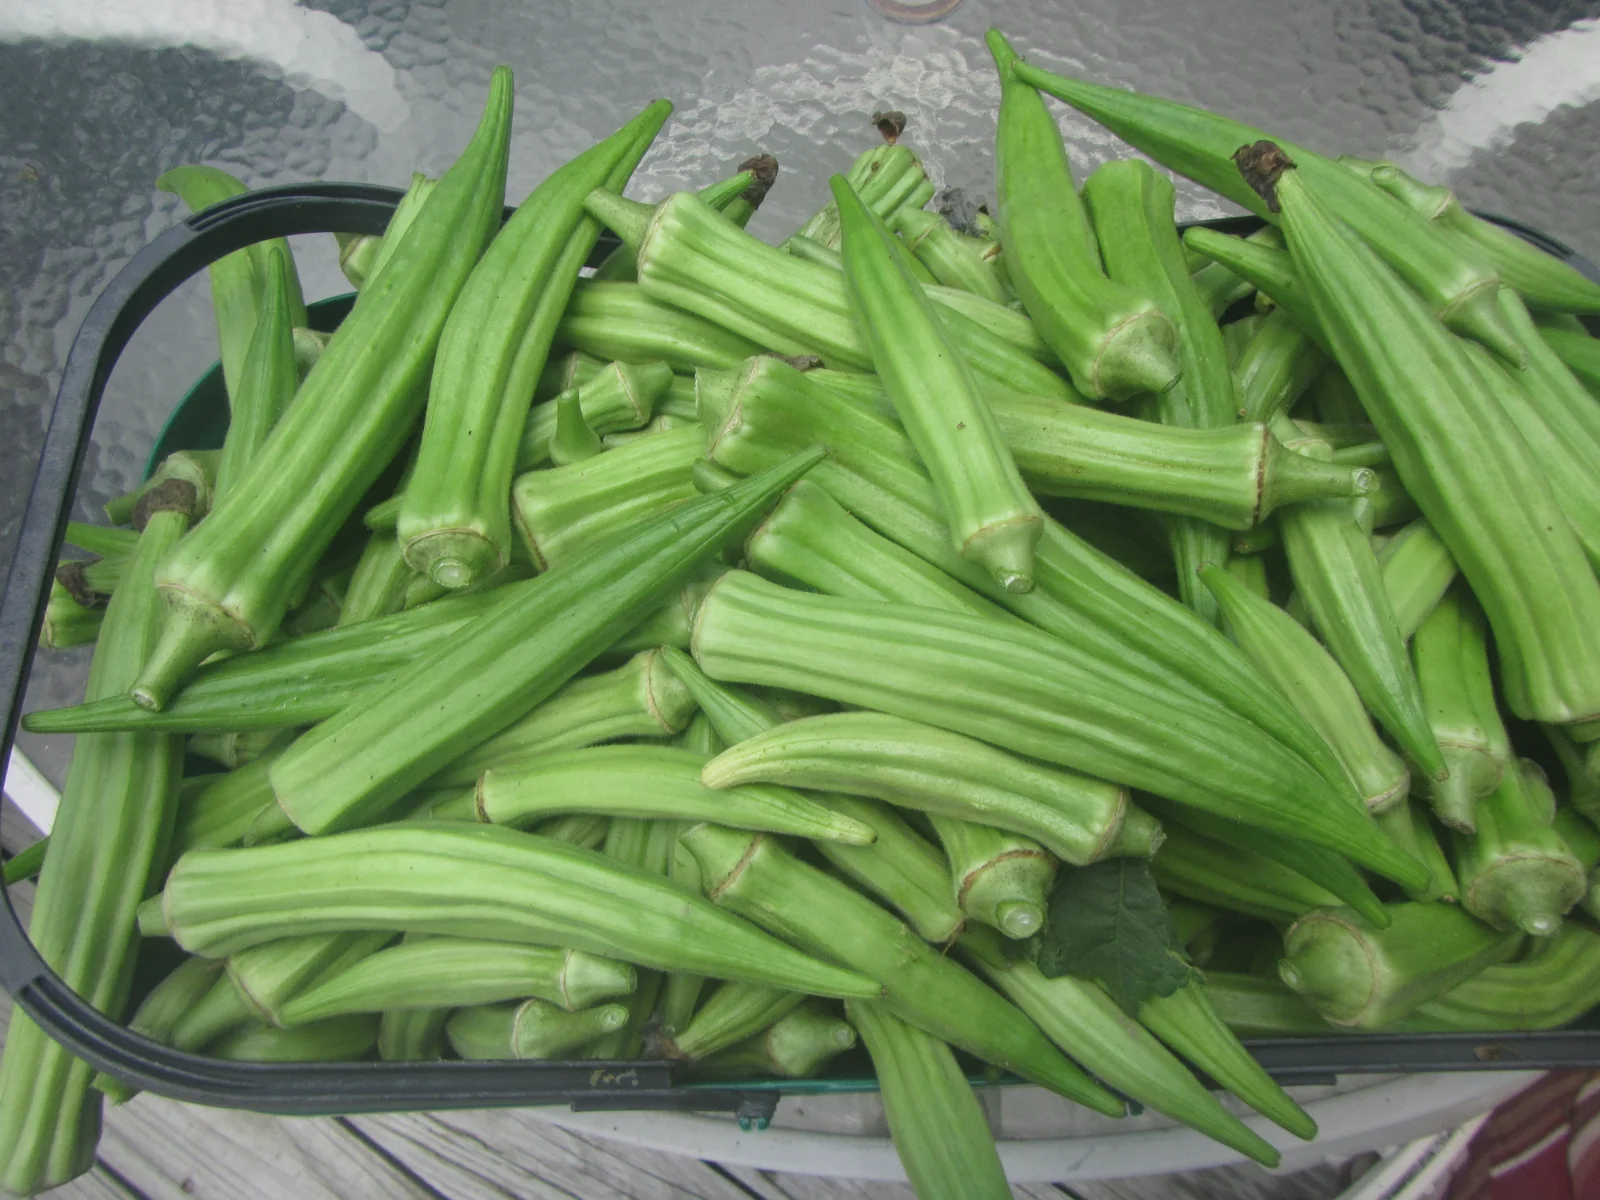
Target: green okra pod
x=752, y=875
x=1417, y=571
x=993, y=519
x=1556, y=981
x=573, y=439
x=1014, y=328
x=562, y=513
x=654, y=782
x=1355, y=975
x=1458, y=455
x=267, y=378
x=228, y=585
x=1132, y=209
x=362, y=256
x=938, y=1127
x=233, y=749
x=956, y=259
x=1190, y=1026
x=223, y=813
x=198, y=468
x=885, y=176
x=1516, y=872
x=730, y=1015
x=459, y=972
x=1084, y=595
x=1261, y=1006
x=413, y=1035
x=1249, y=571
x=999, y=878
x=621, y=322
x=1218, y=286
x=453, y=524
x=638, y=699
x=1114, y=340
x=1410, y=826
x=107, y=846
x=161, y=1010
x=470, y=881
x=379, y=583
x=1583, y=781
x=795, y=1046
x=269, y=975
x=647, y=845
x=222, y=1008
x=570, y=370
x=919, y=766
x=1081, y=1018
x=68, y=621
x=106, y=541
x=528, y=645
x=340, y=1039
x=620, y=264
x=973, y=674
x=1277, y=365
x=1236, y=333
x=1231, y=876
x=1457, y=287
x=1451, y=653
x=1310, y=679
x=1578, y=351
x=532, y=1029
x=238, y=280
x=584, y=830
x=1269, y=268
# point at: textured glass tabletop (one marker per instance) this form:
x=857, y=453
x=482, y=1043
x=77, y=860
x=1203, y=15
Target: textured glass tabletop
x=1500, y=98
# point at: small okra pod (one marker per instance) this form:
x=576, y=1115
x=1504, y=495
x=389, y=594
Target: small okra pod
x=680, y=993
x=1235, y=335
x=1355, y=975
x=224, y=811
x=752, y=875
x=1190, y=1026
x=1417, y=571
x=267, y=379
x=1516, y=872
x=999, y=878
x=1411, y=827
x=1277, y=365
x=1218, y=286
x=1451, y=653
x=620, y=264
x=617, y=396
x=570, y=370
x=1457, y=287
x=1249, y=571
x=795, y=1046
x=1230, y=876
x=1081, y=1018
x=937, y=1125
x=338, y=1039
x=993, y=519
x=885, y=176
x=533, y=1029
x=1261, y=1006
x=621, y=322
x=919, y=766
x=379, y=583
x=1012, y=327
x=197, y=468
x=457, y=972
x=466, y=880
x=638, y=699
x=654, y=782
x=971, y=674
x=1114, y=340
x=561, y=513
x=584, y=830
x=1458, y=454
x=955, y=259
x=573, y=439
x=1309, y=678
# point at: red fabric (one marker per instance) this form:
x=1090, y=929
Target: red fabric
x=1542, y=1144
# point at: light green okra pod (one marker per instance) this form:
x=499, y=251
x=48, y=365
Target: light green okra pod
x=1417, y=571
x=1229, y=876
x=269, y=975
x=993, y=519
x=362, y=256
x=234, y=749
x=1314, y=683
x=1277, y=365
x=732, y=1013
x=1451, y=653
x=620, y=264
x=999, y=878
x=617, y=396
x=885, y=175
x=1082, y=1019
x=532, y=1029
x=1269, y=268
x=919, y=766
x=223, y=813
x=795, y=1046
x=268, y=377
x=621, y=322
x=1554, y=983
x=938, y=1127
x=1115, y=340
x=228, y=585
x=955, y=259
x=198, y=468
x=1579, y=351
x=1410, y=826
x=160, y=1011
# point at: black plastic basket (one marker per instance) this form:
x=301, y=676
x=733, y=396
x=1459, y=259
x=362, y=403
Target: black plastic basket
x=315, y=1088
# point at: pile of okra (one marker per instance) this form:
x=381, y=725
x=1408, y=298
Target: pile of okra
x=1027, y=642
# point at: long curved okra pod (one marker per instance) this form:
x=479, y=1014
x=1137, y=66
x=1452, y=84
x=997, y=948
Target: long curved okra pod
x=1314, y=683
x=1031, y=694
x=1355, y=975
x=354, y=766
x=453, y=523
x=228, y=585
x=1084, y=596
x=1417, y=571
x=655, y=782
x=1516, y=872
x=935, y=1120
x=237, y=279
x=1458, y=289
x=562, y=513
x=993, y=519
x=754, y=876
x=1458, y=455
x=1114, y=340
x=470, y=881
x=919, y=766
x=1083, y=1020
x=266, y=380
x=109, y=836
x=1451, y=654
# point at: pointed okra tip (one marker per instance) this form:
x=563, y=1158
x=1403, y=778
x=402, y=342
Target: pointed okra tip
x=1262, y=164
x=1004, y=55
